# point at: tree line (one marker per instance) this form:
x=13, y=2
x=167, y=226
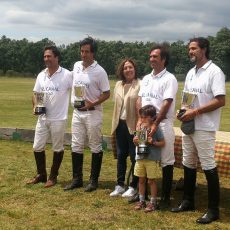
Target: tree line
x=25, y=58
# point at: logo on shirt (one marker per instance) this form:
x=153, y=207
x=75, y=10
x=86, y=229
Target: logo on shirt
x=150, y=95
x=77, y=70
x=50, y=89
x=146, y=83
x=196, y=90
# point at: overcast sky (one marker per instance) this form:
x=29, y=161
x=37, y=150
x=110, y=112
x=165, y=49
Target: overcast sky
x=67, y=21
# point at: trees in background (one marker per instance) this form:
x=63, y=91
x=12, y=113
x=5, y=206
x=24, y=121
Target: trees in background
x=25, y=58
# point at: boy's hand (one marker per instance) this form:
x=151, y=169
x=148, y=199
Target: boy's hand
x=150, y=140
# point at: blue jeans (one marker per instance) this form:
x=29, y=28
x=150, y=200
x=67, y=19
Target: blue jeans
x=125, y=147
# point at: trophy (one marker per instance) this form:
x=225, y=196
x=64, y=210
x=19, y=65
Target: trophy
x=187, y=127
x=39, y=103
x=186, y=102
x=142, y=135
x=79, y=92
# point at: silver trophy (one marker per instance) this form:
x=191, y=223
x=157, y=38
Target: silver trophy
x=79, y=93
x=187, y=102
x=40, y=98
x=142, y=135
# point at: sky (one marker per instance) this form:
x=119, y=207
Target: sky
x=69, y=21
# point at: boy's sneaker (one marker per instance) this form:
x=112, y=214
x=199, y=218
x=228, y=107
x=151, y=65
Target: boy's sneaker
x=140, y=205
x=130, y=192
x=118, y=191
x=150, y=207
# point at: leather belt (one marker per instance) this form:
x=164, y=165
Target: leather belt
x=83, y=110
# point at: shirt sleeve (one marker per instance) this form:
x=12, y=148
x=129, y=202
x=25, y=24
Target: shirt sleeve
x=158, y=136
x=141, y=87
x=115, y=91
x=70, y=79
x=218, y=83
x=170, y=89
x=104, y=81
x=37, y=86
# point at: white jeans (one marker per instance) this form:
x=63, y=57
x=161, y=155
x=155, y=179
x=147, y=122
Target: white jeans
x=200, y=144
x=167, y=152
x=53, y=129
x=87, y=124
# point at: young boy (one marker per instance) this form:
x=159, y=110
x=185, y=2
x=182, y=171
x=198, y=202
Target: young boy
x=144, y=167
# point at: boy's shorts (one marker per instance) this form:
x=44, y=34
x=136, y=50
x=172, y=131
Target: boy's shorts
x=145, y=168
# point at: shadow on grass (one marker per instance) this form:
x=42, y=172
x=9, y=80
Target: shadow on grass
x=201, y=201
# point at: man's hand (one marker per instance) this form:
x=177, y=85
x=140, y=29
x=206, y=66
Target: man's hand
x=187, y=115
x=139, y=124
x=88, y=105
x=34, y=111
x=152, y=130
x=135, y=140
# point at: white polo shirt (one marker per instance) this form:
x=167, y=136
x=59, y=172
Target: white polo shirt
x=57, y=90
x=95, y=80
x=208, y=82
x=157, y=88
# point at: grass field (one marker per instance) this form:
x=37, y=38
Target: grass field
x=34, y=207
x=16, y=108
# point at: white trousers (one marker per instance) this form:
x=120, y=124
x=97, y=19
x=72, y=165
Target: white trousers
x=53, y=129
x=87, y=124
x=199, y=145
x=167, y=152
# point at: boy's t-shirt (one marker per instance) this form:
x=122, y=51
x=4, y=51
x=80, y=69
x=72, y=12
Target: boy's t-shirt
x=154, y=153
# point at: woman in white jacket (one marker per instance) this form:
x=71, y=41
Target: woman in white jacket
x=124, y=124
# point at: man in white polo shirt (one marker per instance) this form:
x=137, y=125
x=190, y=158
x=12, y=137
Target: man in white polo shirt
x=159, y=89
x=56, y=83
x=87, y=119
x=207, y=81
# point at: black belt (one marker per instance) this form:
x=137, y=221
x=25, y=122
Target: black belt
x=89, y=109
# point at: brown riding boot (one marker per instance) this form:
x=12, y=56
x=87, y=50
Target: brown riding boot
x=57, y=159
x=40, y=159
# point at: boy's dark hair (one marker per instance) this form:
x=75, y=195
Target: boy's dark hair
x=55, y=51
x=89, y=41
x=148, y=110
x=203, y=43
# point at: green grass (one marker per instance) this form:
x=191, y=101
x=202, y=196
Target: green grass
x=34, y=207
x=16, y=108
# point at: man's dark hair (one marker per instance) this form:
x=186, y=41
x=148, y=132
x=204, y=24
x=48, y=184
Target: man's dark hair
x=89, y=41
x=55, y=51
x=203, y=43
x=120, y=69
x=148, y=110
x=164, y=48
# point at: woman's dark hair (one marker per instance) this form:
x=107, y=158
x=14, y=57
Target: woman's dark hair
x=203, y=43
x=89, y=41
x=120, y=69
x=148, y=110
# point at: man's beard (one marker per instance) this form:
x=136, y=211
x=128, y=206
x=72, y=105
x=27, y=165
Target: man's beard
x=193, y=59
